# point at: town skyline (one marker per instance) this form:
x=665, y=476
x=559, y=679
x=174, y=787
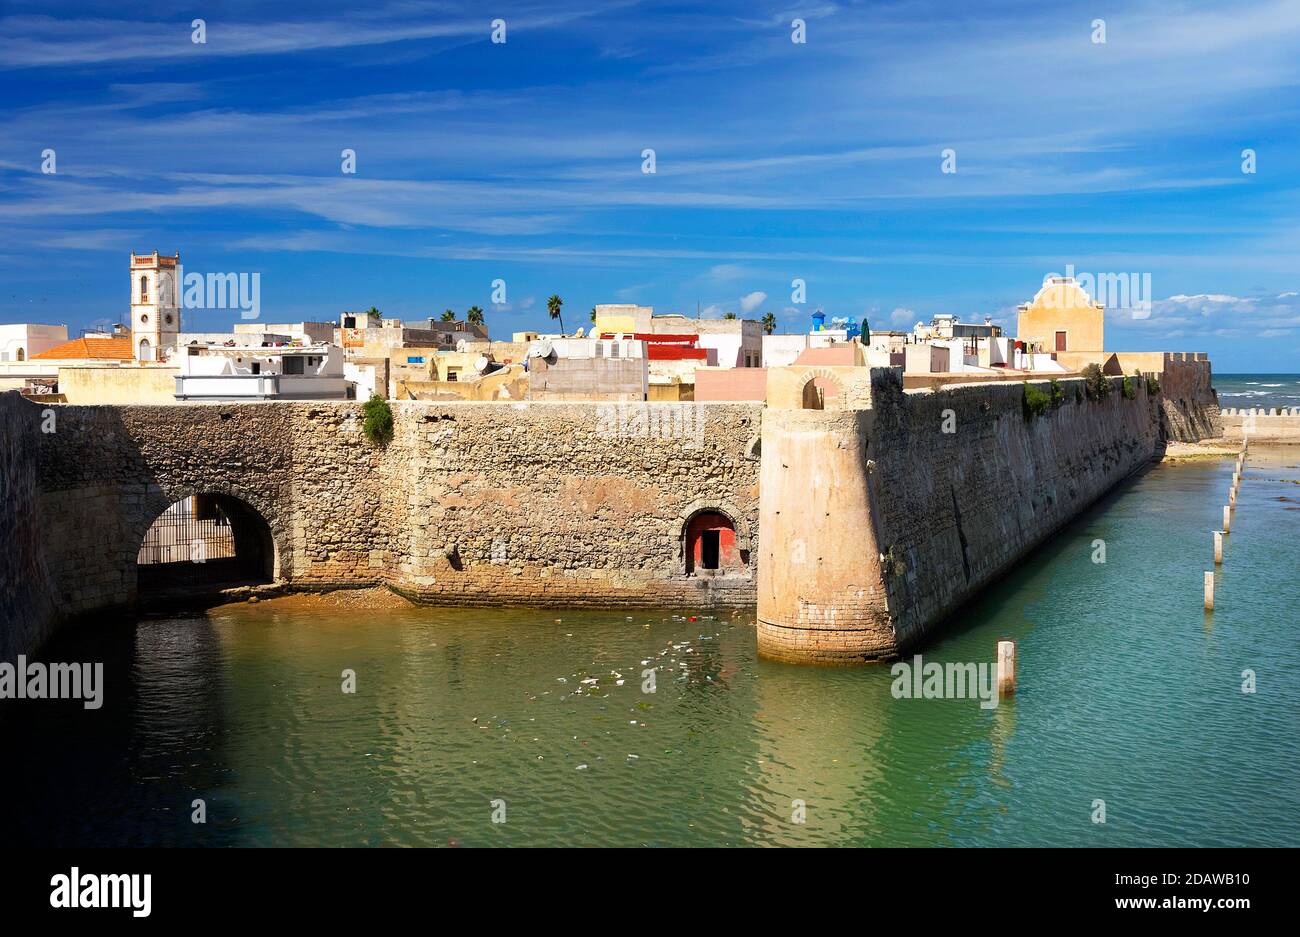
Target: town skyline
x=478, y=161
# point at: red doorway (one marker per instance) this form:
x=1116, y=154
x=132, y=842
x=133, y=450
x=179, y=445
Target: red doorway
x=711, y=543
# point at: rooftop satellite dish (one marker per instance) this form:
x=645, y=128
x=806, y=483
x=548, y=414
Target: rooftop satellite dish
x=541, y=349
x=481, y=363
x=460, y=344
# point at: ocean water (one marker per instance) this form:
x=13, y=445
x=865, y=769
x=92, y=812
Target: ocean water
x=1258, y=390
x=1131, y=696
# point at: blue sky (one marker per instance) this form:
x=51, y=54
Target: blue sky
x=774, y=160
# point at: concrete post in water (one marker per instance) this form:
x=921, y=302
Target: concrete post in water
x=1227, y=519
x=1209, y=591
x=1006, y=669
x=1218, y=548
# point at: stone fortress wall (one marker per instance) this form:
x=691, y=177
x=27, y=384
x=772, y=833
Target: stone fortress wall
x=876, y=523
x=27, y=606
x=1275, y=425
x=468, y=504
x=879, y=523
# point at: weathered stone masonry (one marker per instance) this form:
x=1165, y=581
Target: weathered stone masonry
x=877, y=524
x=27, y=608
x=469, y=503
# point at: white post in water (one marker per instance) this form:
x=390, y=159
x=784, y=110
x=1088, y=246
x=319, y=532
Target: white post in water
x=1006, y=669
x=1227, y=519
x=1218, y=548
x=1232, y=498
x=1209, y=591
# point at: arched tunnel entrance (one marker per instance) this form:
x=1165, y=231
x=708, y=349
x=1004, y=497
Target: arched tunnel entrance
x=203, y=544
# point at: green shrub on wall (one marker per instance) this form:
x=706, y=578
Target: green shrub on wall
x=378, y=425
x=1036, y=402
x=1153, y=384
x=1095, y=383
x=1058, y=395
x=1130, y=388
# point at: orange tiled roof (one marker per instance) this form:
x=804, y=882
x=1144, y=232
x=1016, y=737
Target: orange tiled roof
x=105, y=349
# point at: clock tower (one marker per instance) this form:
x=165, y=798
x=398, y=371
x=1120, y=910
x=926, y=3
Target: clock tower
x=155, y=305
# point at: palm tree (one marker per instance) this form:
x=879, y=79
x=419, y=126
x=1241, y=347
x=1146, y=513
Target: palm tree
x=769, y=323
x=553, y=307
x=474, y=316
x=593, y=313
x=373, y=313
x=448, y=316
x=729, y=315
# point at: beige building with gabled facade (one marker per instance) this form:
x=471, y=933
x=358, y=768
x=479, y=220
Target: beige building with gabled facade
x=1062, y=318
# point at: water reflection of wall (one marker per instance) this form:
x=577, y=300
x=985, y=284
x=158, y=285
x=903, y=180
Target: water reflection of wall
x=818, y=736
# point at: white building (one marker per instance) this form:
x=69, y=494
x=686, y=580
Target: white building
x=310, y=333
x=21, y=342
x=779, y=351
x=248, y=372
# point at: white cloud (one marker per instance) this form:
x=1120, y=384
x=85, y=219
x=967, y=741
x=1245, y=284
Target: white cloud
x=1217, y=314
x=751, y=301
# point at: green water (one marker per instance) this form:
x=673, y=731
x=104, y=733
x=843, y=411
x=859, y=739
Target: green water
x=1129, y=694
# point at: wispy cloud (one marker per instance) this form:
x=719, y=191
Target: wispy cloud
x=774, y=160
x=35, y=41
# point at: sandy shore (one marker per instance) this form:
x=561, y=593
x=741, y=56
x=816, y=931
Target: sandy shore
x=373, y=597
x=1195, y=451
x=1261, y=455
